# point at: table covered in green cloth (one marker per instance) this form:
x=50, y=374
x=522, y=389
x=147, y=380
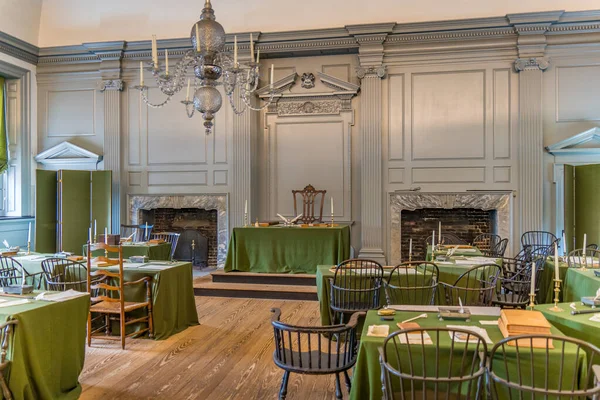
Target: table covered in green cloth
x=173, y=303
x=575, y=326
x=48, y=350
x=278, y=249
x=160, y=251
x=546, y=286
x=451, y=270
x=579, y=283
x=474, y=252
x=366, y=381
x=324, y=273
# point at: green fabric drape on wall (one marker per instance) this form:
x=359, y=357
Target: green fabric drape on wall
x=3, y=133
x=569, y=208
x=587, y=212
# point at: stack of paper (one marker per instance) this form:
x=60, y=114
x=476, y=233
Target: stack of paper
x=460, y=337
x=60, y=296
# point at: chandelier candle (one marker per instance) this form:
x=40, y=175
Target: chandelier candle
x=272, y=73
x=187, y=96
x=251, y=49
x=235, y=61
x=141, y=74
x=197, y=39
x=257, y=56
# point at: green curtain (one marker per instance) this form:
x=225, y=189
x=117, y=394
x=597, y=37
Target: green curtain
x=3, y=130
x=587, y=213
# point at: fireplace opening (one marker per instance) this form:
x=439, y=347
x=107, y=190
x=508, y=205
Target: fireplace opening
x=466, y=223
x=197, y=227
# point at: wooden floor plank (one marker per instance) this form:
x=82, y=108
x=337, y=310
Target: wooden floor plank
x=228, y=356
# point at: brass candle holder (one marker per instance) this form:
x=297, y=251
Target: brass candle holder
x=531, y=301
x=556, y=308
x=28, y=247
x=246, y=220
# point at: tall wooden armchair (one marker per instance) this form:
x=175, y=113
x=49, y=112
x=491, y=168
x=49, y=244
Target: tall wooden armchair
x=7, y=331
x=107, y=290
x=311, y=198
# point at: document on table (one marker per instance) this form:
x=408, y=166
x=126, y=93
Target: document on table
x=32, y=257
x=157, y=266
x=460, y=337
x=5, y=303
x=60, y=296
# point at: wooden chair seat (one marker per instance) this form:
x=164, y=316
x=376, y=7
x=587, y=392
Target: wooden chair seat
x=113, y=307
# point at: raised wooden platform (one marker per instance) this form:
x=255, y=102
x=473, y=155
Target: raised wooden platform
x=257, y=285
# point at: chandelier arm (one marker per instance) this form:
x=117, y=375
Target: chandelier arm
x=144, y=93
x=235, y=109
x=249, y=105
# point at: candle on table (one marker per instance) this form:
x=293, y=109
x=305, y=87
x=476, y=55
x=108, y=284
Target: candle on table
x=187, y=95
x=90, y=235
x=532, y=278
x=410, y=247
x=141, y=73
x=272, y=73
x=235, y=61
x=197, y=40
x=167, y=61
x=332, y=205
x=105, y=235
x=440, y=232
x=556, y=273
x=146, y=230
x=584, y=243
x=251, y=49
x=564, y=241
x=246, y=207
x=432, y=242
x=29, y=234
x=95, y=233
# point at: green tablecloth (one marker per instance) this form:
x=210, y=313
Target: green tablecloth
x=278, y=249
x=458, y=252
x=576, y=326
x=578, y=283
x=546, y=292
x=48, y=349
x=160, y=251
x=366, y=381
x=173, y=303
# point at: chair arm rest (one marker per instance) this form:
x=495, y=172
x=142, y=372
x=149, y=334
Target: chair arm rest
x=145, y=279
x=354, y=319
x=275, y=314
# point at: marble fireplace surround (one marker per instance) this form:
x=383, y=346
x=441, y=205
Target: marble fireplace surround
x=202, y=201
x=499, y=201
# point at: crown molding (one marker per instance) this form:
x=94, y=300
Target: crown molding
x=453, y=34
x=18, y=48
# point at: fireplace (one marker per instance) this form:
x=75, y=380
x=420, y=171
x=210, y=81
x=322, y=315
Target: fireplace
x=197, y=228
x=466, y=223
x=201, y=218
x=465, y=214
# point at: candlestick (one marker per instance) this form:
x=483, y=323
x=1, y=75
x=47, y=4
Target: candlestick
x=556, y=267
x=197, y=40
x=29, y=233
x=95, y=232
x=167, y=61
x=235, y=59
x=105, y=235
x=251, y=49
x=584, y=268
x=145, y=230
x=532, y=291
x=564, y=242
x=331, y=205
x=272, y=73
x=246, y=221
x=410, y=250
x=187, y=95
x=433, y=245
x=556, y=308
x=90, y=236
x=28, y=247
x=141, y=73
x=531, y=305
x=440, y=232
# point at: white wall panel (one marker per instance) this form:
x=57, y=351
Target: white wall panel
x=577, y=93
x=396, y=117
x=177, y=178
x=502, y=115
x=448, y=111
x=70, y=113
x=449, y=175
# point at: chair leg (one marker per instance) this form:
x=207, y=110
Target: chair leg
x=5, y=390
x=89, y=329
x=348, y=382
x=284, y=383
x=338, y=387
x=123, y=334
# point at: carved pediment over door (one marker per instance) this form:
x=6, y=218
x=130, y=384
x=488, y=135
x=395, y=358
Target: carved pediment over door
x=66, y=155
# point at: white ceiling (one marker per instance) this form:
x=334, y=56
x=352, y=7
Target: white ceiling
x=63, y=22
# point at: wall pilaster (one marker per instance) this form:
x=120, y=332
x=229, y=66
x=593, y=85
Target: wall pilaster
x=241, y=166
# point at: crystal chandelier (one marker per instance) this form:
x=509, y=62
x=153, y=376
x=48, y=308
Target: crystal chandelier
x=209, y=62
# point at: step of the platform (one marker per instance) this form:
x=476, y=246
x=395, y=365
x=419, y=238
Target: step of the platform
x=205, y=287
x=264, y=279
